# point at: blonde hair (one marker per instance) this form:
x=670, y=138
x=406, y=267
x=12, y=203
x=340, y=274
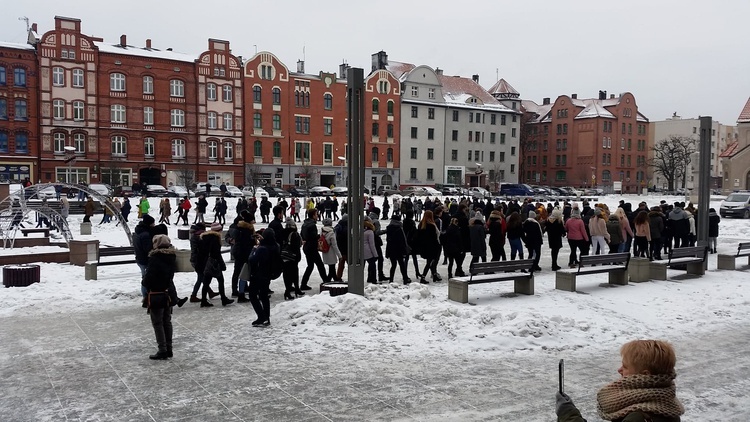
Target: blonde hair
x=655, y=356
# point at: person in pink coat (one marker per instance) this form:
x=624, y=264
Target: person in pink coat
x=577, y=237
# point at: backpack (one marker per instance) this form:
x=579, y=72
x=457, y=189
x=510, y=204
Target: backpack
x=323, y=245
x=277, y=266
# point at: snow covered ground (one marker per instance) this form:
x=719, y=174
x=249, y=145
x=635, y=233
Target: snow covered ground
x=394, y=321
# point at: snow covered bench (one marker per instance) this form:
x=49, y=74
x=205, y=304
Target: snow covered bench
x=691, y=258
x=90, y=267
x=490, y=272
x=615, y=264
x=43, y=230
x=727, y=262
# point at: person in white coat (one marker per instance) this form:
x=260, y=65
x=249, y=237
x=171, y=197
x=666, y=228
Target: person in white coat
x=332, y=256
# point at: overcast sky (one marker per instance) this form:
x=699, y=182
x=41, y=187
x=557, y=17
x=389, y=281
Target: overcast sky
x=683, y=56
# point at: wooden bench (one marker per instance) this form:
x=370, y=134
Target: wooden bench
x=126, y=252
x=615, y=264
x=44, y=230
x=727, y=262
x=490, y=272
x=692, y=259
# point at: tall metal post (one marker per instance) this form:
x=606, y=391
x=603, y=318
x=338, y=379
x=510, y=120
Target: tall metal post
x=355, y=86
x=704, y=182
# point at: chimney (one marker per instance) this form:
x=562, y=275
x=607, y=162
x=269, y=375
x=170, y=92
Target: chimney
x=545, y=101
x=169, y=49
x=148, y=43
x=33, y=27
x=300, y=66
x=343, y=67
x=439, y=71
x=611, y=96
x=475, y=78
x=602, y=95
x=574, y=96
x=379, y=60
x=123, y=40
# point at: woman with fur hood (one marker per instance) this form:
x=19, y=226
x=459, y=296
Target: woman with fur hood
x=555, y=233
x=209, y=257
x=496, y=228
x=158, y=282
x=533, y=238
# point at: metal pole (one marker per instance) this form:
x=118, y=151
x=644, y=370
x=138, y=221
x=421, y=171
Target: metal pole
x=704, y=183
x=355, y=180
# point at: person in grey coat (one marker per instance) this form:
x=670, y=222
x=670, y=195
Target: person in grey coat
x=370, y=252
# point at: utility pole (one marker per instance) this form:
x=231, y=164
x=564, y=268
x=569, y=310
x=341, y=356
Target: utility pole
x=355, y=86
x=704, y=182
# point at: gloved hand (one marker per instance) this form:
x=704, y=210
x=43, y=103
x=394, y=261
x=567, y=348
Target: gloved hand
x=563, y=402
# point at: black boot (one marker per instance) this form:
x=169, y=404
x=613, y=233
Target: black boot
x=241, y=298
x=226, y=301
x=169, y=351
x=206, y=304
x=160, y=355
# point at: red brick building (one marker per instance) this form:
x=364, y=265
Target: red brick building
x=382, y=124
x=585, y=142
x=19, y=125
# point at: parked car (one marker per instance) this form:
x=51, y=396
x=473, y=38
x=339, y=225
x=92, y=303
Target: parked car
x=319, y=191
x=200, y=189
x=175, y=191
x=574, y=191
x=449, y=191
x=251, y=191
x=479, y=192
x=430, y=191
x=298, y=191
x=413, y=190
x=276, y=192
x=49, y=192
x=737, y=204
x=515, y=189
x=340, y=190
x=386, y=190
x=102, y=189
x=157, y=191
x=123, y=191
x=233, y=191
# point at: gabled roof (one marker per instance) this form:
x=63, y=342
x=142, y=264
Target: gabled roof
x=399, y=69
x=541, y=111
x=732, y=149
x=745, y=114
x=146, y=52
x=592, y=108
x=458, y=90
x=503, y=87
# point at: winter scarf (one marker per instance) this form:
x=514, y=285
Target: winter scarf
x=645, y=393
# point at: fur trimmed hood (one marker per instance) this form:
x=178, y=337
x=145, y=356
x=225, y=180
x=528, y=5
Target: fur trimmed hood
x=165, y=251
x=211, y=233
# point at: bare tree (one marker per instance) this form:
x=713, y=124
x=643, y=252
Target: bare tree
x=672, y=158
x=494, y=177
x=185, y=175
x=252, y=175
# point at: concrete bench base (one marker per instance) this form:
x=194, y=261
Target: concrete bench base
x=458, y=290
x=729, y=262
x=90, y=268
x=658, y=271
x=567, y=280
x=638, y=270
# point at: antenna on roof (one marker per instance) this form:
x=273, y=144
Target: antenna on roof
x=497, y=74
x=303, y=52
x=25, y=19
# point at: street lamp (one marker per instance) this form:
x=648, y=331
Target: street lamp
x=343, y=161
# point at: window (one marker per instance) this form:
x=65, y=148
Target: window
x=492, y=156
x=502, y=139
x=431, y=134
x=469, y=156
x=493, y=119
x=390, y=108
x=455, y=115
x=78, y=78
x=630, y=143
x=630, y=128
x=58, y=109
x=3, y=109
x=513, y=132
x=59, y=141
x=502, y=119
x=454, y=155
x=79, y=142
x=328, y=152
x=3, y=81
x=454, y=135
x=515, y=119
x=257, y=94
x=20, y=110
x=266, y=72
x=178, y=118
x=22, y=143
x=327, y=126
x=513, y=151
x=119, y=146
x=212, y=119
x=211, y=92
x=148, y=147
x=383, y=87
x=117, y=113
x=277, y=96
x=58, y=76
x=375, y=106
x=390, y=130
x=415, y=91
x=623, y=129
x=560, y=175
x=228, y=150
x=327, y=101
x=148, y=85
x=622, y=161
x=476, y=155
x=176, y=88
x=430, y=153
x=622, y=143
x=375, y=154
x=277, y=149
x=276, y=122
x=606, y=176
x=228, y=121
x=471, y=117
x=178, y=148
x=544, y=160
x=429, y=174
x=213, y=150
x=431, y=113
x=148, y=116
x=375, y=129
x=413, y=133
x=117, y=82
x=492, y=137
x=431, y=95
x=413, y=155
x=502, y=156
x=226, y=95
x=19, y=79
x=257, y=121
x=389, y=155
x=413, y=173
x=414, y=111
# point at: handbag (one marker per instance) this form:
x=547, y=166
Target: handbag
x=213, y=267
x=245, y=272
x=158, y=300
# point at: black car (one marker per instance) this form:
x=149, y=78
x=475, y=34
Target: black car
x=298, y=192
x=276, y=192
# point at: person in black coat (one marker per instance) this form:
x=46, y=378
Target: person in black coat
x=291, y=256
x=309, y=234
x=462, y=215
x=497, y=235
x=397, y=248
x=125, y=209
x=142, y=236
x=200, y=209
x=555, y=233
x=533, y=238
x=260, y=276
x=277, y=223
x=342, y=240
x=451, y=241
x=265, y=209
x=242, y=240
x=209, y=257
x=713, y=229
x=410, y=230
x=158, y=282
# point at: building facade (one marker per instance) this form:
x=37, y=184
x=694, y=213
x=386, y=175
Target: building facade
x=735, y=159
x=586, y=142
x=19, y=125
